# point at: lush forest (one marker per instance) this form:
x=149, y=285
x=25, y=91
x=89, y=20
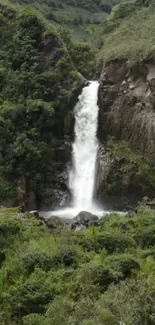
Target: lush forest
x=80, y=17
x=100, y=275
x=38, y=86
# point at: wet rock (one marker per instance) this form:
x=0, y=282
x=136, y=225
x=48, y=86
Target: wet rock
x=147, y=202
x=85, y=218
x=75, y=225
x=151, y=203
x=131, y=214
x=35, y=213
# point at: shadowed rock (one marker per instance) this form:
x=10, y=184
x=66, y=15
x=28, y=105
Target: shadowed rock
x=85, y=218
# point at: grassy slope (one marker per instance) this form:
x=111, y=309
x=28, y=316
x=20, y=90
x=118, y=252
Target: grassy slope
x=132, y=37
x=81, y=18
x=97, y=276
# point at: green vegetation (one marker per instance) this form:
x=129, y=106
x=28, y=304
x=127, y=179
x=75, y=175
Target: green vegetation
x=129, y=32
x=100, y=275
x=80, y=16
x=38, y=83
x=130, y=171
x=41, y=75
x=82, y=54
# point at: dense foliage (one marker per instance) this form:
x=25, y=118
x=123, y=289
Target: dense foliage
x=85, y=4
x=80, y=16
x=131, y=172
x=38, y=82
x=100, y=275
x=129, y=31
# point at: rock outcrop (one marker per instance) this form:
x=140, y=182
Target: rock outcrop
x=85, y=218
x=127, y=112
x=127, y=104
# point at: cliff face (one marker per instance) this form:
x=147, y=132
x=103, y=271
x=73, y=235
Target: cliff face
x=127, y=104
x=127, y=112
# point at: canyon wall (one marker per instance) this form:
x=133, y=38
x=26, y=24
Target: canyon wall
x=127, y=113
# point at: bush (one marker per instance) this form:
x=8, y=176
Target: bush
x=11, y=227
x=146, y=238
x=32, y=296
x=122, y=263
x=37, y=259
x=131, y=302
x=67, y=256
x=114, y=243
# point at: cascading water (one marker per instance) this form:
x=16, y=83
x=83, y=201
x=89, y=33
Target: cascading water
x=85, y=148
x=82, y=176
x=84, y=153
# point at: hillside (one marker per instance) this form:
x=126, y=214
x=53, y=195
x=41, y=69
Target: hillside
x=100, y=275
x=79, y=16
x=129, y=32
x=38, y=87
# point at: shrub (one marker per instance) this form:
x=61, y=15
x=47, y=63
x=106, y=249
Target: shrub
x=66, y=255
x=114, y=243
x=33, y=295
x=37, y=259
x=122, y=263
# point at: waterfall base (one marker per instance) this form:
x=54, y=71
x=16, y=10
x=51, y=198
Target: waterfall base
x=72, y=212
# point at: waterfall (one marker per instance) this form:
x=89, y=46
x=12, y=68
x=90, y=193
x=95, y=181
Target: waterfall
x=85, y=148
x=82, y=176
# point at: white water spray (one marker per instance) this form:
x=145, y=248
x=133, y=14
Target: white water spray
x=85, y=149
x=82, y=176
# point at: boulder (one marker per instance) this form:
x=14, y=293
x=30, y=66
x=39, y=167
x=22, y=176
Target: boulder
x=85, y=218
x=131, y=214
x=151, y=203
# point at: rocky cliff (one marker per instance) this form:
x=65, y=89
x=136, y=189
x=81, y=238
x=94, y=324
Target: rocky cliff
x=127, y=112
x=127, y=101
